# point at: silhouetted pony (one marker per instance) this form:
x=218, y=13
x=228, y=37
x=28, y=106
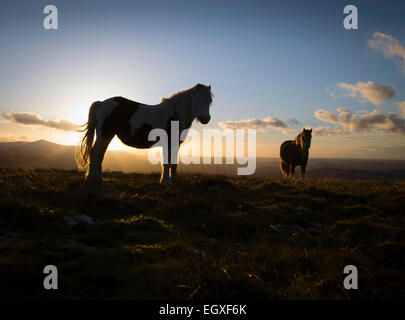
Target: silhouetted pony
x=295, y=153
x=132, y=121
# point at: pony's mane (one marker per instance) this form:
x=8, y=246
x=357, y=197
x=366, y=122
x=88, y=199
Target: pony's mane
x=187, y=93
x=181, y=101
x=298, y=139
x=180, y=93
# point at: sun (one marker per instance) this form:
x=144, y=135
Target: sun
x=79, y=115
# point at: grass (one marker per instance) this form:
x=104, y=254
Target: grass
x=206, y=237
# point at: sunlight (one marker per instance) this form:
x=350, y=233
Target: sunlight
x=79, y=112
x=73, y=139
x=116, y=144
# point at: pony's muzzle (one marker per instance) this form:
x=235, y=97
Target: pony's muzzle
x=204, y=120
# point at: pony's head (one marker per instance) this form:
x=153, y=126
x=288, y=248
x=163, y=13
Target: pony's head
x=201, y=103
x=305, y=138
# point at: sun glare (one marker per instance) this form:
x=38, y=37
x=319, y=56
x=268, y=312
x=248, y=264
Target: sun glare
x=75, y=137
x=78, y=114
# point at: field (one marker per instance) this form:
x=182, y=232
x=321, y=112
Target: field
x=205, y=237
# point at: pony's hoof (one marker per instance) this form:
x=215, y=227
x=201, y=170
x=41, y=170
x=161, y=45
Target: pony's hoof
x=166, y=182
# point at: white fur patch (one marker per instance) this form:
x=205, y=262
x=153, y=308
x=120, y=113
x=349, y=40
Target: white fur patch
x=103, y=111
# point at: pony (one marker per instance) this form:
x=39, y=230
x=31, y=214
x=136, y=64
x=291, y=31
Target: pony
x=132, y=121
x=295, y=153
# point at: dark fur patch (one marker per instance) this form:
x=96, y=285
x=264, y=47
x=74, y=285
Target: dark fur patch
x=118, y=120
x=139, y=139
x=174, y=117
x=117, y=123
x=290, y=153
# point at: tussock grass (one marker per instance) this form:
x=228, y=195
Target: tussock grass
x=205, y=237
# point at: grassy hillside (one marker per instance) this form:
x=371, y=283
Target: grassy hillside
x=206, y=237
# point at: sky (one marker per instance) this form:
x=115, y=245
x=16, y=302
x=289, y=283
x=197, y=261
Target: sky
x=276, y=66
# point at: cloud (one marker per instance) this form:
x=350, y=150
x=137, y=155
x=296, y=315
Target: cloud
x=10, y=138
x=27, y=118
x=268, y=122
x=326, y=131
x=293, y=120
x=401, y=106
x=370, y=91
x=364, y=121
x=390, y=47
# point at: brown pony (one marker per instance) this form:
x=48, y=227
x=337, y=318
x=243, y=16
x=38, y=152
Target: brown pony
x=295, y=153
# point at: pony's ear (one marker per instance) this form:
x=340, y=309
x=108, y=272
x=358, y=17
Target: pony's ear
x=310, y=130
x=209, y=87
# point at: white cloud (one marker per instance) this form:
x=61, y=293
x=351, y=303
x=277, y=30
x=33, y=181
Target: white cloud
x=26, y=118
x=364, y=121
x=390, y=47
x=377, y=94
x=268, y=122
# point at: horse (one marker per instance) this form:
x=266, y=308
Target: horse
x=132, y=122
x=295, y=153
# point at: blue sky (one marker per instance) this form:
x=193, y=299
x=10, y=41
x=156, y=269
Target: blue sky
x=262, y=58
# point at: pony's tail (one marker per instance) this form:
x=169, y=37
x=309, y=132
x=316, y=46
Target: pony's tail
x=84, y=148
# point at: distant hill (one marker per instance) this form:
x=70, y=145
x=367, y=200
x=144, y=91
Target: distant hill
x=45, y=154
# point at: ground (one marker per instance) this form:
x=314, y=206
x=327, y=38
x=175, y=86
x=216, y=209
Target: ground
x=204, y=237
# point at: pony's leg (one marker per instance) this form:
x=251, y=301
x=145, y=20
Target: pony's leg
x=96, y=158
x=173, y=166
x=292, y=171
x=303, y=167
x=165, y=177
x=173, y=171
x=284, y=169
